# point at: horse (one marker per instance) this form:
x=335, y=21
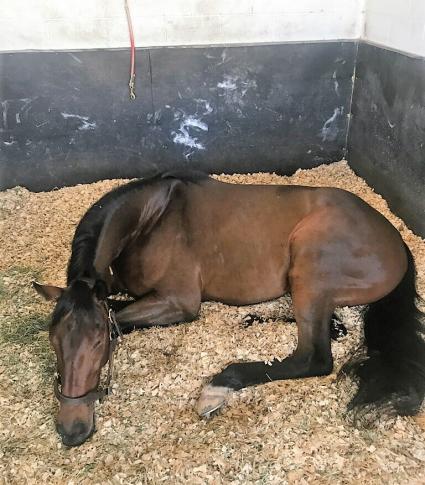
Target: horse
x=175, y=240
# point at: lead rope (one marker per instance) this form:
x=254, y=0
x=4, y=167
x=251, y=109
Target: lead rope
x=132, y=81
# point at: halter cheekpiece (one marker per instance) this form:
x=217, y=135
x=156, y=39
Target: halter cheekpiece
x=115, y=338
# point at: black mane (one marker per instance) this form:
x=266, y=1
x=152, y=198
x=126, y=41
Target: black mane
x=78, y=296
x=85, y=239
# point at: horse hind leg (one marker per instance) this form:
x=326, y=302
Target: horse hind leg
x=337, y=328
x=312, y=357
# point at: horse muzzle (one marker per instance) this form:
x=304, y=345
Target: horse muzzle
x=77, y=433
x=75, y=423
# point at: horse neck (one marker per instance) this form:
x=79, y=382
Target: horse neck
x=107, y=228
x=83, y=250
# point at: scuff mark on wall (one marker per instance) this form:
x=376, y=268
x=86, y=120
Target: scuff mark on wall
x=329, y=130
x=191, y=126
x=229, y=83
x=336, y=83
x=25, y=108
x=185, y=134
x=224, y=57
x=207, y=106
x=85, y=123
x=154, y=118
x=5, y=107
x=234, y=88
x=192, y=121
x=14, y=112
x=76, y=59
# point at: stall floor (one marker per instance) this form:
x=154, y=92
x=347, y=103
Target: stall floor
x=284, y=432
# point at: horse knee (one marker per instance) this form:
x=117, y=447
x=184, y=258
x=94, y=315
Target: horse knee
x=190, y=309
x=189, y=315
x=186, y=305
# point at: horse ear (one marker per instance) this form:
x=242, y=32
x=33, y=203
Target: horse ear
x=47, y=291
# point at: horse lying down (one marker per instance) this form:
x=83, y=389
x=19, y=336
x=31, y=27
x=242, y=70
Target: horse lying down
x=173, y=241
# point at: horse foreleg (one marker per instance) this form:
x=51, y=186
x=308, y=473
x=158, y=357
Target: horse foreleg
x=312, y=357
x=159, y=309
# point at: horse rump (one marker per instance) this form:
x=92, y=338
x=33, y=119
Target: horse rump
x=393, y=371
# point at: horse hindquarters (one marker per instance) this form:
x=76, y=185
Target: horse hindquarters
x=329, y=266
x=313, y=308
x=394, y=370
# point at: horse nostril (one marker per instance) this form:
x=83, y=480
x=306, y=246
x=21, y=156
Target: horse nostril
x=76, y=436
x=78, y=428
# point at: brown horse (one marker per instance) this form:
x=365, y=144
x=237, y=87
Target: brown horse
x=174, y=241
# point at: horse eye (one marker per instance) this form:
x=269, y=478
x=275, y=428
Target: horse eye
x=97, y=344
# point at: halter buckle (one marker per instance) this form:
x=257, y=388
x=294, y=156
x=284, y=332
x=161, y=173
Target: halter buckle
x=115, y=332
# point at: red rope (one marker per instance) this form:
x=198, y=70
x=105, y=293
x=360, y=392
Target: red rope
x=131, y=83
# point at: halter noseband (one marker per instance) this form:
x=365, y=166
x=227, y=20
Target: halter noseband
x=115, y=337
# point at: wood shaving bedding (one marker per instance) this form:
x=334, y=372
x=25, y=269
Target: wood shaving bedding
x=283, y=432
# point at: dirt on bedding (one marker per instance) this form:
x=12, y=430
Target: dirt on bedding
x=147, y=431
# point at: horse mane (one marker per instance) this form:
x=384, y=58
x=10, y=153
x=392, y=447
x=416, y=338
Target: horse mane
x=77, y=297
x=191, y=176
x=89, y=229
x=86, y=235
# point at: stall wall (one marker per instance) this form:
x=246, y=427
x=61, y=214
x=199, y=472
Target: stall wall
x=100, y=24
x=387, y=132
x=275, y=97
x=67, y=118
x=396, y=24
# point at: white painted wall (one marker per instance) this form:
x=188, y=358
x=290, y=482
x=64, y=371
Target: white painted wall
x=398, y=24
x=83, y=24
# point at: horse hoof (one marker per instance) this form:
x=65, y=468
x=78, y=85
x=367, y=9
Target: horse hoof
x=212, y=398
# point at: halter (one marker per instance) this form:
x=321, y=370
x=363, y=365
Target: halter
x=115, y=338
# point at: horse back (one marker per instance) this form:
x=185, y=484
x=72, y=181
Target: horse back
x=246, y=238
x=239, y=234
x=241, y=239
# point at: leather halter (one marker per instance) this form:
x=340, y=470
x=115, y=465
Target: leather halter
x=115, y=337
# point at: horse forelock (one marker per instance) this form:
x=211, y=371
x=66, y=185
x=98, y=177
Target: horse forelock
x=78, y=298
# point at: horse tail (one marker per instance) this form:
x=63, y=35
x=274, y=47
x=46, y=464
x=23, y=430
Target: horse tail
x=393, y=372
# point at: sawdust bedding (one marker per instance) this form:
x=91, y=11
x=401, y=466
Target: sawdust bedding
x=283, y=432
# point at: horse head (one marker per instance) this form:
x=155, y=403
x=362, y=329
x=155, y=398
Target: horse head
x=81, y=336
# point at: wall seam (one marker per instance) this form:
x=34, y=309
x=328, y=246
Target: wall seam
x=185, y=46
x=350, y=114
x=151, y=81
